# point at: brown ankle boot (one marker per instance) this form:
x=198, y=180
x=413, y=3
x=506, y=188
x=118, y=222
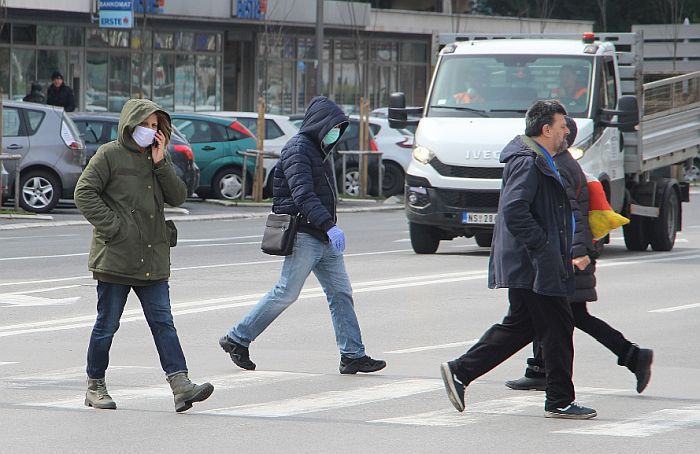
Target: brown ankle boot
x=97, y=395
x=186, y=393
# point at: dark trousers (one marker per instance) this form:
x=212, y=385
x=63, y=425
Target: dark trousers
x=608, y=336
x=155, y=301
x=530, y=316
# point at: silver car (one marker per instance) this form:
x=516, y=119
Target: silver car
x=53, y=154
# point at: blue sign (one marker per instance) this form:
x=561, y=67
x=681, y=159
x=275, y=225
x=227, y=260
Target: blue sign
x=152, y=6
x=116, y=14
x=251, y=9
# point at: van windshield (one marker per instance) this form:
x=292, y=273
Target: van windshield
x=504, y=85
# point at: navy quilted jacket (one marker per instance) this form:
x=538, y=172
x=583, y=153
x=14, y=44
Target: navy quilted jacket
x=304, y=176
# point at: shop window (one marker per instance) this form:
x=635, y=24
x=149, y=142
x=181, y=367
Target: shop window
x=164, y=80
x=162, y=40
x=205, y=41
x=5, y=33
x=184, y=83
x=207, y=86
x=119, y=38
x=184, y=40
x=306, y=48
x=141, y=75
x=96, y=81
x=136, y=40
x=50, y=61
x=118, y=82
x=384, y=51
x=23, y=34
x=54, y=35
x=97, y=37
x=5, y=72
x=24, y=72
x=414, y=52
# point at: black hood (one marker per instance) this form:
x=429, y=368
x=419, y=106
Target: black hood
x=322, y=115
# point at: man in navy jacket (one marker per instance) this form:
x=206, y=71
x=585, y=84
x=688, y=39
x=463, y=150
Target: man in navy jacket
x=531, y=257
x=303, y=184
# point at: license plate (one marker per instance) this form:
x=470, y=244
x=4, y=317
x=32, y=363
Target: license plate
x=478, y=218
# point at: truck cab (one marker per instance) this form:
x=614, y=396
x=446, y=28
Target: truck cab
x=480, y=92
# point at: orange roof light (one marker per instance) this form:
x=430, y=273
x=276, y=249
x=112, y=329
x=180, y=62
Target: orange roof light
x=588, y=37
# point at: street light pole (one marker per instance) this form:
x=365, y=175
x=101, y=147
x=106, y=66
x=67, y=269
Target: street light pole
x=319, y=47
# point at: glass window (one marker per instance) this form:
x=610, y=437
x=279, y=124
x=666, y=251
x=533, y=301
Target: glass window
x=90, y=131
x=413, y=52
x=11, y=124
x=207, y=86
x=50, y=61
x=163, y=40
x=141, y=76
x=119, y=38
x=272, y=131
x=5, y=72
x=163, y=80
x=97, y=37
x=23, y=34
x=5, y=33
x=205, y=41
x=610, y=86
x=35, y=118
x=384, y=51
x=184, y=83
x=24, y=72
x=136, y=39
x=306, y=48
x=306, y=79
x=119, y=86
x=113, y=131
x=184, y=40
x=96, y=81
x=54, y=35
x=197, y=131
x=233, y=134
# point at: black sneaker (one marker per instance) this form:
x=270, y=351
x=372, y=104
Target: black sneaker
x=364, y=364
x=239, y=354
x=454, y=387
x=645, y=357
x=571, y=411
x=528, y=384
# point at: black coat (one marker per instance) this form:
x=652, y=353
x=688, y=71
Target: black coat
x=577, y=190
x=61, y=96
x=532, y=239
x=303, y=178
x=35, y=95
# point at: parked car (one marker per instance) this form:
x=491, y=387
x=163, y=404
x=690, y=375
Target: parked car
x=396, y=146
x=349, y=141
x=216, y=143
x=97, y=129
x=278, y=130
x=53, y=154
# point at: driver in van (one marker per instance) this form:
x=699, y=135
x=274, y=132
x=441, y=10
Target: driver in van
x=569, y=89
x=470, y=92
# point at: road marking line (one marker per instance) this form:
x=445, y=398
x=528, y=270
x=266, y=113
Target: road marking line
x=658, y=422
x=33, y=236
x=204, y=240
x=676, y=308
x=45, y=281
x=222, y=244
x=332, y=399
x=232, y=381
x=18, y=300
x=433, y=347
x=5, y=363
x=29, y=257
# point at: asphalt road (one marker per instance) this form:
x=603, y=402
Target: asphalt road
x=416, y=311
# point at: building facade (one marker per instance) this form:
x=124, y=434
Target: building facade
x=225, y=55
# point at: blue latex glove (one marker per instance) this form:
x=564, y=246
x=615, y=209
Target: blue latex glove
x=337, y=238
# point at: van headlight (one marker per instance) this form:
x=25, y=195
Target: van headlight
x=422, y=154
x=579, y=149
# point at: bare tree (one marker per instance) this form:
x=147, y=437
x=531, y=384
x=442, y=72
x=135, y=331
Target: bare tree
x=603, y=7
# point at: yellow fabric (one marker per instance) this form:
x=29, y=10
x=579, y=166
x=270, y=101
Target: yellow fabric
x=602, y=222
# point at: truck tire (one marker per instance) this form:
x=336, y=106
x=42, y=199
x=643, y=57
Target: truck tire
x=635, y=234
x=393, y=181
x=483, y=239
x=424, y=239
x=662, y=230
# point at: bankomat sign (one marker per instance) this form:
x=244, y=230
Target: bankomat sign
x=116, y=13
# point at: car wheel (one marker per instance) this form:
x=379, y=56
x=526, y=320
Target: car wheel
x=228, y=184
x=351, y=181
x=40, y=191
x=483, y=239
x=393, y=180
x=424, y=238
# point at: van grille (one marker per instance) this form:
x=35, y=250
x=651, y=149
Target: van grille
x=447, y=170
x=469, y=199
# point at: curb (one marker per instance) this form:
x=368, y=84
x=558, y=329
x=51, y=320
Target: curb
x=194, y=217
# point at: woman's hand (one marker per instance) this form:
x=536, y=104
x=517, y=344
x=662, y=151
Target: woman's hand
x=158, y=148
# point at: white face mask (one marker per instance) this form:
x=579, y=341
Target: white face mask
x=143, y=136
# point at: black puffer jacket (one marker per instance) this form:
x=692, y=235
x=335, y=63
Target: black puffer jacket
x=304, y=176
x=61, y=96
x=531, y=246
x=577, y=190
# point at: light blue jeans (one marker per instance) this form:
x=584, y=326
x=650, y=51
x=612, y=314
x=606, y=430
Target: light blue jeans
x=310, y=254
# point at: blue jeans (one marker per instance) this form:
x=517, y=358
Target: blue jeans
x=155, y=301
x=310, y=254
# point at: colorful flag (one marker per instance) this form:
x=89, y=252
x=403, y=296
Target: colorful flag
x=601, y=216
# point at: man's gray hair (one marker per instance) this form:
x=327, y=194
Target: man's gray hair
x=541, y=113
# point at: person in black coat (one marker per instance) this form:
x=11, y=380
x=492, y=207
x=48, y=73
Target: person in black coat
x=304, y=185
x=60, y=94
x=531, y=256
x=35, y=95
x=637, y=360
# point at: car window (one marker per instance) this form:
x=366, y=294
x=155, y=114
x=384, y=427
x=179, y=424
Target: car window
x=251, y=124
x=35, y=118
x=232, y=133
x=114, y=131
x=196, y=131
x=11, y=124
x=90, y=130
x=375, y=128
x=218, y=132
x=272, y=131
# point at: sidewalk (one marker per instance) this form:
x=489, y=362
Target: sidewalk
x=193, y=210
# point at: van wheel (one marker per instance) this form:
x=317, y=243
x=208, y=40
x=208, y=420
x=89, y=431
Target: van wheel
x=424, y=238
x=635, y=234
x=662, y=230
x=483, y=239
x=40, y=191
x=228, y=184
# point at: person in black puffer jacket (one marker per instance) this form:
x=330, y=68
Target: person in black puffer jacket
x=637, y=360
x=304, y=185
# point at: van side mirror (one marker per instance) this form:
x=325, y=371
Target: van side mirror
x=398, y=112
x=627, y=114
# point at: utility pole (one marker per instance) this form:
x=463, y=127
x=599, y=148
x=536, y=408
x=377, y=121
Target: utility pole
x=319, y=47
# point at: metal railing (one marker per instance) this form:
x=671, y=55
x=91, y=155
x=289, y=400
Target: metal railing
x=253, y=154
x=363, y=170
x=670, y=95
x=18, y=158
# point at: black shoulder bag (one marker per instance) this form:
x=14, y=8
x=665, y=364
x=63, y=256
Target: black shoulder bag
x=279, y=235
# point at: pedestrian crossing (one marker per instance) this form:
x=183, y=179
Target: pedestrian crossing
x=372, y=399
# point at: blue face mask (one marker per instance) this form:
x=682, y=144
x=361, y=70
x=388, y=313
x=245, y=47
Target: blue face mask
x=332, y=136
